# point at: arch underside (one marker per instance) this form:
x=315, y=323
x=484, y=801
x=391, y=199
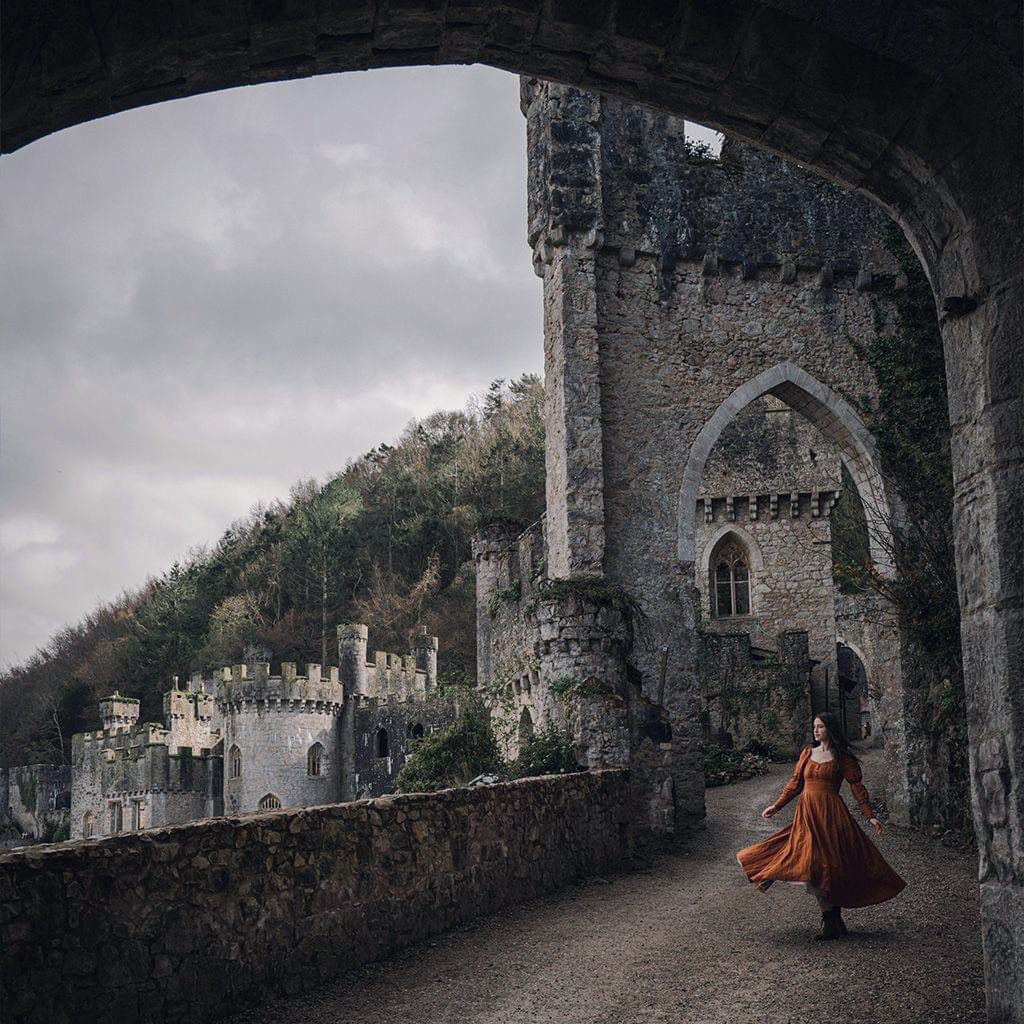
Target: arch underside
x=834, y=417
x=834, y=95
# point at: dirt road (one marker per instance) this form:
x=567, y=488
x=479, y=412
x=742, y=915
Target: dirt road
x=689, y=942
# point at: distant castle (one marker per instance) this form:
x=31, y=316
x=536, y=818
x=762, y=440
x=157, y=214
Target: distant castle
x=244, y=740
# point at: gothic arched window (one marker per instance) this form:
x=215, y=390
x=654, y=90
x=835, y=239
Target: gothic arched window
x=270, y=802
x=234, y=763
x=382, y=742
x=315, y=760
x=731, y=590
x=87, y=825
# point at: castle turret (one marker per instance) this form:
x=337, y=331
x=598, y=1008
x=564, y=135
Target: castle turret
x=118, y=713
x=281, y=736
x=424, y=649
x=352, y=640
x=488, y=548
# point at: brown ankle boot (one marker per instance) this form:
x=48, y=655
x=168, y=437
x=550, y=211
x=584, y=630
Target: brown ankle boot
x=840, y=923
x=829, y=928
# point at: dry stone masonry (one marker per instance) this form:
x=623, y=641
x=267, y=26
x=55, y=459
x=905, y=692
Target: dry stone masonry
x=216, y=915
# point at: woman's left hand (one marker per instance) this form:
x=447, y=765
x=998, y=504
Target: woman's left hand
x=876, y=825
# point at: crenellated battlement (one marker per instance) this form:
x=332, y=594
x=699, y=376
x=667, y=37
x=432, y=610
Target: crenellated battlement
x=240, y=685
x=388, y=675
x=248, y=738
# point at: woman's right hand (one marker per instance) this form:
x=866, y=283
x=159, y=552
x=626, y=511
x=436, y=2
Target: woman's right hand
x=769, y=811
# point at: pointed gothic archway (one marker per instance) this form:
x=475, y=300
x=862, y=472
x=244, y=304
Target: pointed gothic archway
x=834, y=417
x=837, y=420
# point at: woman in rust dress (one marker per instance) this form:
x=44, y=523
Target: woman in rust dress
x=824, y=848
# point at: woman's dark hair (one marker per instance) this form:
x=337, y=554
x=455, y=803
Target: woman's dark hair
x=839, y=744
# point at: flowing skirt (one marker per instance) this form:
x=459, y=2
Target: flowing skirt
x=826, y=848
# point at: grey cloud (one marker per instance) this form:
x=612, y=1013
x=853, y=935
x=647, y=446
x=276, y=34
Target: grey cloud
x=187, y=331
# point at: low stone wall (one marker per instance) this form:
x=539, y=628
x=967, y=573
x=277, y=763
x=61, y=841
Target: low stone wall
x=193, y=922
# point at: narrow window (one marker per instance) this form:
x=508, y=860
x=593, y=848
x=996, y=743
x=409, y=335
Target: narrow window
x=382, y=742
x=731, y=582
x=417, y=731
x=116, y=816
x=87, y=824
x=270, y=802
x=315, y=760
x=235, y=763
x=525, y=728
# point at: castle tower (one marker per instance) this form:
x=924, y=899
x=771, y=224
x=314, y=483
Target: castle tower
x=352, y=640
x=488, y=546
x=281, y=737
x=424, y=649
x=118, y=713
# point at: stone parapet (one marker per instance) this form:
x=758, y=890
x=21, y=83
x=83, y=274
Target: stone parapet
x=793, y=504
x=284, y=900
x=241, y=685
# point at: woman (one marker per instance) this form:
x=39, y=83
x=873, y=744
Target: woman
x=824, y=848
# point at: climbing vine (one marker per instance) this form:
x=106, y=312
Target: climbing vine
x=909, y=420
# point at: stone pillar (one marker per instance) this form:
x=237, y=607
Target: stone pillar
x=985, y=373
x=488, y=546
x=352, y=640
x=572, y=412
x=565, y=231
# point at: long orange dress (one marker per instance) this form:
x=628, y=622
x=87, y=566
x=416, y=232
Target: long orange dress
x=824, y=846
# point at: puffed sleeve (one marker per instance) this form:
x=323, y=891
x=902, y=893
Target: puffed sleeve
x=852, y=774
x=796, y=783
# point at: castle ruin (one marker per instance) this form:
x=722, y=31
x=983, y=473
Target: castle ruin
x=690, y=302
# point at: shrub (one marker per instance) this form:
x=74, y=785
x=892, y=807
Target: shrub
x=723, y=765
x=452, y=757
x=548, y=752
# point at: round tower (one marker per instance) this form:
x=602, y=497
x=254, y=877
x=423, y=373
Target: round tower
x=352, y=640
x=282, y=737
x=424, y=649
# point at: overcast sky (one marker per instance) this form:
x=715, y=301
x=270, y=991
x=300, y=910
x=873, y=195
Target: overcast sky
x=204, y=301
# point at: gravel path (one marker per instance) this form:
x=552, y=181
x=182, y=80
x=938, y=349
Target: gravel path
x=689, y=941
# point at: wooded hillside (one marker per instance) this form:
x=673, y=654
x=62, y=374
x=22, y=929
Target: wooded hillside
x=386, y=541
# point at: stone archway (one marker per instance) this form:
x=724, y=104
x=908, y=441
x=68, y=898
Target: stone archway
x=834, y=417
x=921, y=112
x=840, y=424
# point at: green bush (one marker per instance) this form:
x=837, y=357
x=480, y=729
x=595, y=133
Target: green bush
x=723, y=765
x=453, y=757
x=56, y=831
x=548, y=752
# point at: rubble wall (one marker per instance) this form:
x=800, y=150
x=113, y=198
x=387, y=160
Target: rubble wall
x=217, y=915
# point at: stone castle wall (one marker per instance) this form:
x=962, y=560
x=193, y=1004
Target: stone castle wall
x=217, y=915
x=676, y=291
x=556, y=654
x=148, y=773
x=789, y=545
x=756, y=700
x=767, y=446
x=403, y=722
